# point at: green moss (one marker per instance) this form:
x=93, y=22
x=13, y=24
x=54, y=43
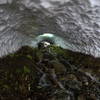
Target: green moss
x=26, y=70
x=29, y=56
x=36, y=73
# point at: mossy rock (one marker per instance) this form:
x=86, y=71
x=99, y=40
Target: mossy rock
x=50, y=73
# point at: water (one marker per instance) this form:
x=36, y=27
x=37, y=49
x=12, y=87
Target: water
x=75, y=24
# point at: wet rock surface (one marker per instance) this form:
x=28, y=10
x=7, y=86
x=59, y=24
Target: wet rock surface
x=50, y=73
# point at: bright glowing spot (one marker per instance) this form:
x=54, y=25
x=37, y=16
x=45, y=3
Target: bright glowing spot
x=47, y=35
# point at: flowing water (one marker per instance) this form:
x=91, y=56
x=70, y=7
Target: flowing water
x=75, y=24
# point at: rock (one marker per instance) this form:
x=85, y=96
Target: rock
x=50, y=73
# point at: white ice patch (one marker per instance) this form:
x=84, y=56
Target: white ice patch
x=95, y=2
x=47, y=35
x=49, y=3
x=45, y=4
x=44, y=36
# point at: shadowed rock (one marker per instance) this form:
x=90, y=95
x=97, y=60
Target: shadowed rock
x=50, y=73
